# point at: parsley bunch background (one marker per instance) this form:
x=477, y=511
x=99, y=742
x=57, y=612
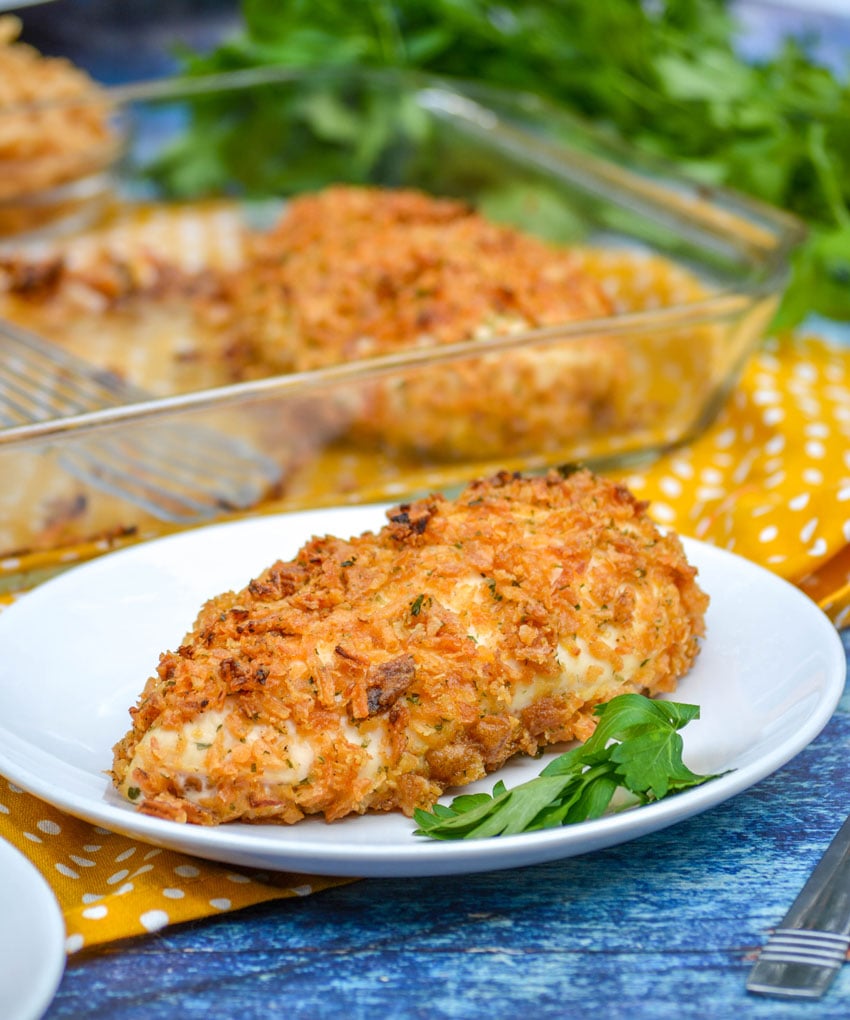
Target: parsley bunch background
x=665, y=76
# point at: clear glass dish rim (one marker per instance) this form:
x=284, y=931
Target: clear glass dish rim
x=724, y=304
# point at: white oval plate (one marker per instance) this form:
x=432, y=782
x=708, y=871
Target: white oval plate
x=32, y=938
x=75, y=654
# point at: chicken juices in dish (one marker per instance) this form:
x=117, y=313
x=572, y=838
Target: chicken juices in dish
x=374, y=673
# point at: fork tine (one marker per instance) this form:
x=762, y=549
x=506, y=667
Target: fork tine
x=810, y=946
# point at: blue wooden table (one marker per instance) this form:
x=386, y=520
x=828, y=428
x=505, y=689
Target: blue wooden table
x=664, y=926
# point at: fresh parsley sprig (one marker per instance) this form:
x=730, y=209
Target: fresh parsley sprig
x=636, y=747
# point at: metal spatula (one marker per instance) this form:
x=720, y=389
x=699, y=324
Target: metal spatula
x=178, y=474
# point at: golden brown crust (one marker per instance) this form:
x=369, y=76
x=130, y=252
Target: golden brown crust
x=47, y=143
x=375, y=672
x=353, y=272
x=350, y=273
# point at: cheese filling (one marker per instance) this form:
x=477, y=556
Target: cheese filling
x=200, y=748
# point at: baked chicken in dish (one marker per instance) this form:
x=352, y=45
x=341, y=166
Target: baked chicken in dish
x=350, y=273
x=373, y=673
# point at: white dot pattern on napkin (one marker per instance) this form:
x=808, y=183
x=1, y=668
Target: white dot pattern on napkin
x=104, y=898
x=772, y=476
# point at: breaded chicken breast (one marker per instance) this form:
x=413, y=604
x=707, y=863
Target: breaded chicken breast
x=373, y=673
x=357, y=272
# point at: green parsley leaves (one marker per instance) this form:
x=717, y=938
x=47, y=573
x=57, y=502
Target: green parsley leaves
x=667, y=77
x=636, y=747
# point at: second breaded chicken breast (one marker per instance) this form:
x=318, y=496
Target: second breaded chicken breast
x=351, y=273
x=375, y=672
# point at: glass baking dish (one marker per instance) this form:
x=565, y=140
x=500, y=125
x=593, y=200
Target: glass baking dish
x=690, y=279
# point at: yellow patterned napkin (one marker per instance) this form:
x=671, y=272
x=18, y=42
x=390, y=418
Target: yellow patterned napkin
x=769, y=480
x=110, y=887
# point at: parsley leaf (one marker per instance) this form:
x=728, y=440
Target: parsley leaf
x=636, y=747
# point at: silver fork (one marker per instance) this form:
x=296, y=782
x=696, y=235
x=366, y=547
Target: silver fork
x=179, y=474
x=810, y=946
